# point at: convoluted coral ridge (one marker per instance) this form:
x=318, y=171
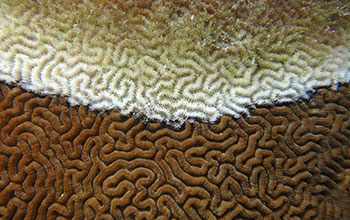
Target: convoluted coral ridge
x=62, y=162
x=174, y=60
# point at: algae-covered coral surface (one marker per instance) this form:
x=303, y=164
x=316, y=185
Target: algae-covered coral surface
x=174, y=60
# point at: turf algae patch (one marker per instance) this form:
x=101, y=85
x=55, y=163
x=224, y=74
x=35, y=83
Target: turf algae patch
x=174, y=60
x=63, y=162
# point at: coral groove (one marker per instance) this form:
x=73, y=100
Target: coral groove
x=58, y=161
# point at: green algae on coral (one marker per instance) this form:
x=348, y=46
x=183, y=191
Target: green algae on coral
x=200, y=59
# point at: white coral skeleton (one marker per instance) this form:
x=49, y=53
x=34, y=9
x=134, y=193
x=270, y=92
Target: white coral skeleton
x=174, y=61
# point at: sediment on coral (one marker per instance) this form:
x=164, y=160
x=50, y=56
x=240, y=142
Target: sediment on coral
x=285, y=162
x=175, y=60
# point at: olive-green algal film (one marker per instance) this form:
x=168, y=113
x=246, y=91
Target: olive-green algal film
x=175, y=60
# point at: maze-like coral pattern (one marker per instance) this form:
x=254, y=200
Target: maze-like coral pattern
x=285, y=162
x=175, y=60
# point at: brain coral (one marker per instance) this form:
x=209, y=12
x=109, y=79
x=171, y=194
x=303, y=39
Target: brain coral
x=174, y=60
x=282, y=162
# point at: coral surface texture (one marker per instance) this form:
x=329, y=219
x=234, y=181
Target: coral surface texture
x=178, y=59
x=283, y=162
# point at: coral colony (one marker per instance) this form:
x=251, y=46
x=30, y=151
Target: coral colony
x=175, y=60
x=185, y=63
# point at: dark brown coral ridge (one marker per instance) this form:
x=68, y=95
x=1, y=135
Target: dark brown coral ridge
x=285, y=162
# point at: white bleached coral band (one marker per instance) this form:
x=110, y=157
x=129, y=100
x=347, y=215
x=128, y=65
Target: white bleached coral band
x=176, y=67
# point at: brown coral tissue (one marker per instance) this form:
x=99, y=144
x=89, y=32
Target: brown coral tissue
x=284, y=162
